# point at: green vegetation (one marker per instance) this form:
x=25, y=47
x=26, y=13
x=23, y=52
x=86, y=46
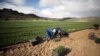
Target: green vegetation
x=12, y=32
x=96, y=26
x=61, y=51
x=97, y=40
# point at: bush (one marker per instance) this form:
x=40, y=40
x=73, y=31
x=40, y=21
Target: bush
x=65, y=34
x=37, y=40
x=96, y=26
x=97, y=40
x=92, y=36
x=60, y=51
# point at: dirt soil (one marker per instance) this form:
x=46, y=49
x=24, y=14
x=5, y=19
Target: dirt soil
x=78, y=42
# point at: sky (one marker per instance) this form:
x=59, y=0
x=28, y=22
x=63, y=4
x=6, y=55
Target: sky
x=54, y=8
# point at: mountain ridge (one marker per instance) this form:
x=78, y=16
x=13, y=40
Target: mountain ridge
x=9, y=14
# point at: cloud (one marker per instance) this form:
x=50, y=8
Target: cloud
x=67, y=8
x=16, y=2
x=23, y=9
x=55, y=8
x=46, y=3
x=17, y=5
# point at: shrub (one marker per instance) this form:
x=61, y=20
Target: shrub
x=65, y=34
x=92, y=36
x=37, y=40
x=96, y=26
x=60, y=51
x=97, y=40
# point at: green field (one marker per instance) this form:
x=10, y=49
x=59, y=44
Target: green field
x=12, y=32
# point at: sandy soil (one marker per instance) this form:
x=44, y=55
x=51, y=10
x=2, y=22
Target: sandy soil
x=78, y=42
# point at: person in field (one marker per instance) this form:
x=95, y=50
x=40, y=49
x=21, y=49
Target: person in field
x=49, y=34
x=57, y=31
x=53, y=33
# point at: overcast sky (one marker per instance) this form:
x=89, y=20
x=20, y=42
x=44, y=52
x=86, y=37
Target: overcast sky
x=54, y=8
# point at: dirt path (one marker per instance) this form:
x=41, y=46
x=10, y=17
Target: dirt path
x=78, y=42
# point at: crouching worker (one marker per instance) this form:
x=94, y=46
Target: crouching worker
x=49, y=34
x=57, y=32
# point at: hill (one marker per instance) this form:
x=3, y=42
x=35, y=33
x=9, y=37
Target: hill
x=85, y=19
x=9, y=14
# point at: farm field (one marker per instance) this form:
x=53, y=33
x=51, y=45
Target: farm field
x=78, y=42
x=49, y=28
x=12, y=32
